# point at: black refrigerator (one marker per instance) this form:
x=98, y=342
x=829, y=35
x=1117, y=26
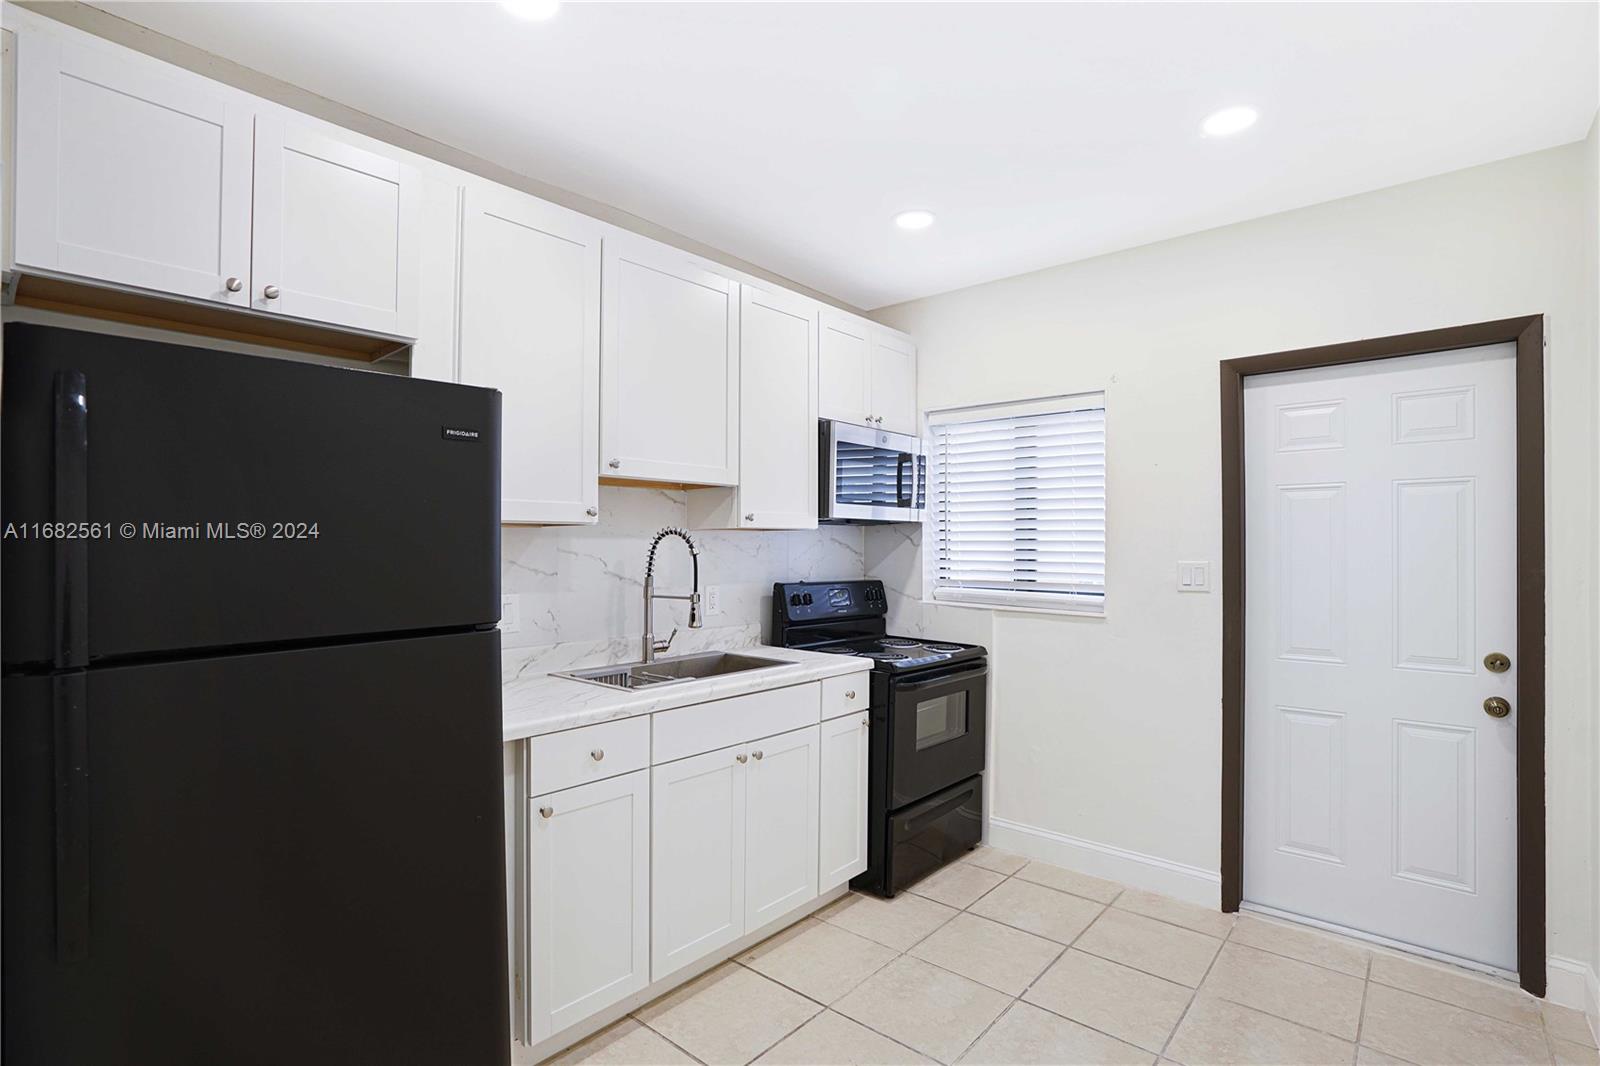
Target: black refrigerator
x=250, y=726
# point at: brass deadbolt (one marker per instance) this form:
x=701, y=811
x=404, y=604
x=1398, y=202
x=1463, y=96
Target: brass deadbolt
x=1496, y=707
x=1496, y=662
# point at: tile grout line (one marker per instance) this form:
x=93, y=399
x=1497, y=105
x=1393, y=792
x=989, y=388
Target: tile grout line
x=1193, y=995
x=1361, y=1011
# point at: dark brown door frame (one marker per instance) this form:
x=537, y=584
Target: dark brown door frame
x=1528, y=334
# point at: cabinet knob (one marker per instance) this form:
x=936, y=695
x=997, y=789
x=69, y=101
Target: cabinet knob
x=864, y=723
x=750, y=517
x=615, y=464
x=757, y=754
x=270, y=292
x=234, y=284
x=591, y=511
x=545, y=812
x=741, y=758
x=597, y=754
x=850, y=694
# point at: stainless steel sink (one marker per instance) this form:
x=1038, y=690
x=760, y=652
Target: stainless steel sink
x=669, y=671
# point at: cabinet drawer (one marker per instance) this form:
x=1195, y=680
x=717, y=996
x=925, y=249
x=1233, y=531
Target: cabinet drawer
x=686, y=731
x=562, y=760
x=841, y=695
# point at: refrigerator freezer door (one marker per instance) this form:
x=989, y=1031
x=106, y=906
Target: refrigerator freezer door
x=241, y=499
x=291, y=857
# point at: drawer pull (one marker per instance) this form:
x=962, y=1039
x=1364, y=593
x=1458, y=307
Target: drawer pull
x=757, y=754
x=597, y=754
x=864, y=723
x=850, y=694
x=545, y=812
x=742, y=758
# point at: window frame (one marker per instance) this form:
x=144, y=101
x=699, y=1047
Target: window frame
x=1059, y=603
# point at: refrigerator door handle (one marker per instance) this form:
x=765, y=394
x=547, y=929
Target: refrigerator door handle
x=71, y=746
x=71, y=505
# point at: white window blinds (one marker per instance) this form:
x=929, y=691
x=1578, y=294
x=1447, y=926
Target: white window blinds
x=1017, y=504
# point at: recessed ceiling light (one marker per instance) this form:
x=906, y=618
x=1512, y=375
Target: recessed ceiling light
x=1228, y=121
x=532, y=10
x=914, y=219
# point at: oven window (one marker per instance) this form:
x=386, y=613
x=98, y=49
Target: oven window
x=940, y=719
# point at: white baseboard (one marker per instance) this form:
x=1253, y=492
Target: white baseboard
x=1574, y=984
x=1189, y=883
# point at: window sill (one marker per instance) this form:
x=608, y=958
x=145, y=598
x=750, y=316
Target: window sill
x=1012, y=608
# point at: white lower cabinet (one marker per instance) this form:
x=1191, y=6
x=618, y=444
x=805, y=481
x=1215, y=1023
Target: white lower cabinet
x=780, y=825
x=842, y=818
x=698, y=861
x=589, y=900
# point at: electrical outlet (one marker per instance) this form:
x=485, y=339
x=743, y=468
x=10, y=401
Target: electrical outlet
x=510, y=612
x=1194, y=576
x=713, y=599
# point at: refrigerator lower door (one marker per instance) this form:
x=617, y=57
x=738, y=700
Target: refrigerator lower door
x=288, y=857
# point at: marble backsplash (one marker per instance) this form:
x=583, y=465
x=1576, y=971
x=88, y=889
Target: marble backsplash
x=581, y=587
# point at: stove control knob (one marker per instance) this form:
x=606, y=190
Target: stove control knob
x=794, y=599
x=806, y=599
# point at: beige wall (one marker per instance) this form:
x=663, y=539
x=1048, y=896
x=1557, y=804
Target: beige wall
x=1107, y=732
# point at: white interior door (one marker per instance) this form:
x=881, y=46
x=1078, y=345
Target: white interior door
x=1381, y=561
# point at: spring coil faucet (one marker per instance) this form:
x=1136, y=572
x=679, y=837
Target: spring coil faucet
x=651, y=645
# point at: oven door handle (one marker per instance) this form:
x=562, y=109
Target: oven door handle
x=959, y=678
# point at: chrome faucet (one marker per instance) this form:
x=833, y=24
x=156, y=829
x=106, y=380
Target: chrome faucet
x=651, y=644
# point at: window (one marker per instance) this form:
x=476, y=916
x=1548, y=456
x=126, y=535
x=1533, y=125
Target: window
x=1017, y=504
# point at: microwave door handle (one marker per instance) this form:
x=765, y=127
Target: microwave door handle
x=901, y=463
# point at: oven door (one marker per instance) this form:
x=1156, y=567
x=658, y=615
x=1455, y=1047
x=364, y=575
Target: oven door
x=870, y=475
x=936, y=732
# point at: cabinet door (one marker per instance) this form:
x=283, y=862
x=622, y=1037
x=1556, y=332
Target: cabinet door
x=894, y=382
x=778, y=405
x=697, y=857
x=780, y=826
x=130, y=175
x=843, y=379
x=669, y=366
x=335, y=231
x=589, y=899
x=530, y=327
x=842, y=831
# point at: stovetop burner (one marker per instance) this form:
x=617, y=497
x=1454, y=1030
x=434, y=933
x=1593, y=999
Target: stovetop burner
x=898, y=642
x=933, y=645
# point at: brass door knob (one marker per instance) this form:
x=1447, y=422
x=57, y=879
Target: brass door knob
x=1497, y=662
x=1496, y=707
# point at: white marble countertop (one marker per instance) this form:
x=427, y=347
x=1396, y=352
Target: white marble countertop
x=545, y=703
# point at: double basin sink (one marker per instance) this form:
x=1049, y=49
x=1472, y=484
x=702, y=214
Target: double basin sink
x=670, y=671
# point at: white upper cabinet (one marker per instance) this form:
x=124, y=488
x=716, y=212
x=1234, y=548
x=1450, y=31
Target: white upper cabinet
x=778, y=419
x=128, y=176
x=530, y=327
x=335, y=231
x=669, y=366
x=894, y=382
x=866, y=374
x=843, y=368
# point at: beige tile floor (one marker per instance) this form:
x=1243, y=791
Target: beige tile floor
x=1000, y=960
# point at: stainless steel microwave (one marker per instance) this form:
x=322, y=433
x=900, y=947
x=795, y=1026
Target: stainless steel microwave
x=869, y=475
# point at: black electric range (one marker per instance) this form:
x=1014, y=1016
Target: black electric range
x=928, y=724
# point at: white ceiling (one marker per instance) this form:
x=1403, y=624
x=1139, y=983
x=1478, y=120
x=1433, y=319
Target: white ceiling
x=790, y=134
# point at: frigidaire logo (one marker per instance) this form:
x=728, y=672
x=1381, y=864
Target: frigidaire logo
x=452, y=433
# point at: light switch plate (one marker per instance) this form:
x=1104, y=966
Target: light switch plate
x=1194, y=576
x=510, y=612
